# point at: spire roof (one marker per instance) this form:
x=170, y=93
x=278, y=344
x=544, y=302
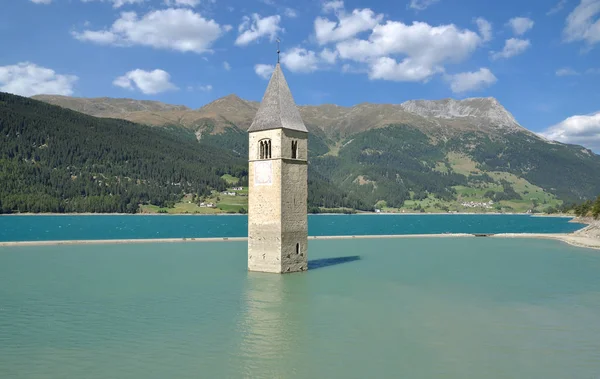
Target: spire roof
x=277, y=108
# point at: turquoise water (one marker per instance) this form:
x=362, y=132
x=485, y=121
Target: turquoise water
x=393, y=308
x=56, y=228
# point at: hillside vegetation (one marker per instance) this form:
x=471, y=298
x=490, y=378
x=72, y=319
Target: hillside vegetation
x=56, y=160
x=418, y=156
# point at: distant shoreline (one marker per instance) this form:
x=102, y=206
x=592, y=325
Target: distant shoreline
x=571, y=239
x=315, y=214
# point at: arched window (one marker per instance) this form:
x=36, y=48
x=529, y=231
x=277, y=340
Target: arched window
x=264, y=149
x=294, y=149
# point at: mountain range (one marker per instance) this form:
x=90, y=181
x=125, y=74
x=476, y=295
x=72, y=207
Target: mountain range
x=432, y=155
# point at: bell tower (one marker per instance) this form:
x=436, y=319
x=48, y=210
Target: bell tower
x=278, y=183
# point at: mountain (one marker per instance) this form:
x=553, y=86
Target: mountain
x=435, y=155
x=104, y=106
x=54, y=159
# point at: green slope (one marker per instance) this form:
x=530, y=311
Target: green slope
x=400, y=167
x=57, y=160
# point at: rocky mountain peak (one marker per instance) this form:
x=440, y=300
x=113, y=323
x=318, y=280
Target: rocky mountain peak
x=487, y=109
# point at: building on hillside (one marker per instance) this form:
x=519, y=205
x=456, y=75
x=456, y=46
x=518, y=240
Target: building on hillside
x=278, y=183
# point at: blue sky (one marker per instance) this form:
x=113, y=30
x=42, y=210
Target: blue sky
x=539, y=58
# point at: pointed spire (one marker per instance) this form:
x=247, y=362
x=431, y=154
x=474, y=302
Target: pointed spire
x=277, y=108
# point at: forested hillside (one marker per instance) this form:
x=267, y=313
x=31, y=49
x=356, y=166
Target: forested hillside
x=56, y=160
x=422, y=155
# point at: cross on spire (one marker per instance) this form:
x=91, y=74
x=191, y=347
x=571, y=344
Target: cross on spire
x=278, y=51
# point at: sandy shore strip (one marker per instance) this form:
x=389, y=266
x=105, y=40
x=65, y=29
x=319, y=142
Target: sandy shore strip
x=579, y=241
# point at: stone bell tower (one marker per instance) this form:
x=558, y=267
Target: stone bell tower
x=278, y=183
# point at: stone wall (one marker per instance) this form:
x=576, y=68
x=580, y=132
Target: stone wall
x=277, y=209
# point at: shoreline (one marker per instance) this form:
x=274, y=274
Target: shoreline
x=571, y=239
x=558, y=215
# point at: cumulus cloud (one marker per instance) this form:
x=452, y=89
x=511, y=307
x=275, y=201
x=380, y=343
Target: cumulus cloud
x=583, y=23
x=148, y=82
x=424, y=49
x=580, y=129
x=520, y=25
x=328, y=56
x=512, y=47
x=117, y=3
x=408, y=70
x=264, y=70
x=182, y=3
x=472, y=81
x=255, y=27
x=206, y=88
x=41, y=1
x=28, y=79
x=173, y=29
x=226, y=66
x=485, y=28
x=566, y=71
x=347, y=25
x=300, y=60
x=421, y=4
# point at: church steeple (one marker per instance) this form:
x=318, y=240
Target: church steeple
x=277, y=108
x=277, y=183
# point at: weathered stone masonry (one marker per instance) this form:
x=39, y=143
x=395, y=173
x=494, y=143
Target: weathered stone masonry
x=278, y=183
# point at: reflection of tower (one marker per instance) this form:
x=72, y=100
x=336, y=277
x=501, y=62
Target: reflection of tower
x=278, y=183
x=273, y=325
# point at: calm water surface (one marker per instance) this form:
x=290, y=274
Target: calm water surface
x=53, y=228
x=411, y=308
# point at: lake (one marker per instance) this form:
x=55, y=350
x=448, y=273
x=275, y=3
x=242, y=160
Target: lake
x=372, y=308
x=102, y=227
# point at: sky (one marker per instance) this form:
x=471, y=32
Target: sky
x=539, y=58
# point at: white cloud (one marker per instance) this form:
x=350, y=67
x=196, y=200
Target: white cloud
x=300, y=60
x=512, y=47
x=520, y=25
x=290, y=13
x=485, y=28
x=424, y=49
x=579, y=129
x=408, y=70
x=264, y=70
x=557, y=8
x=117, y=3
x=206, y=88
x=583, y=24
x=149, y=82
x=252, y=29
x=226, y=66
x=182, y=3
x=41, y=1
x=174, y=29
x=333, y=6
x=567, y=71
x=421, y=4
x=592, y=71
x=28, y=79
x=347, y=25
x=328, y=56
x=472, y=81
